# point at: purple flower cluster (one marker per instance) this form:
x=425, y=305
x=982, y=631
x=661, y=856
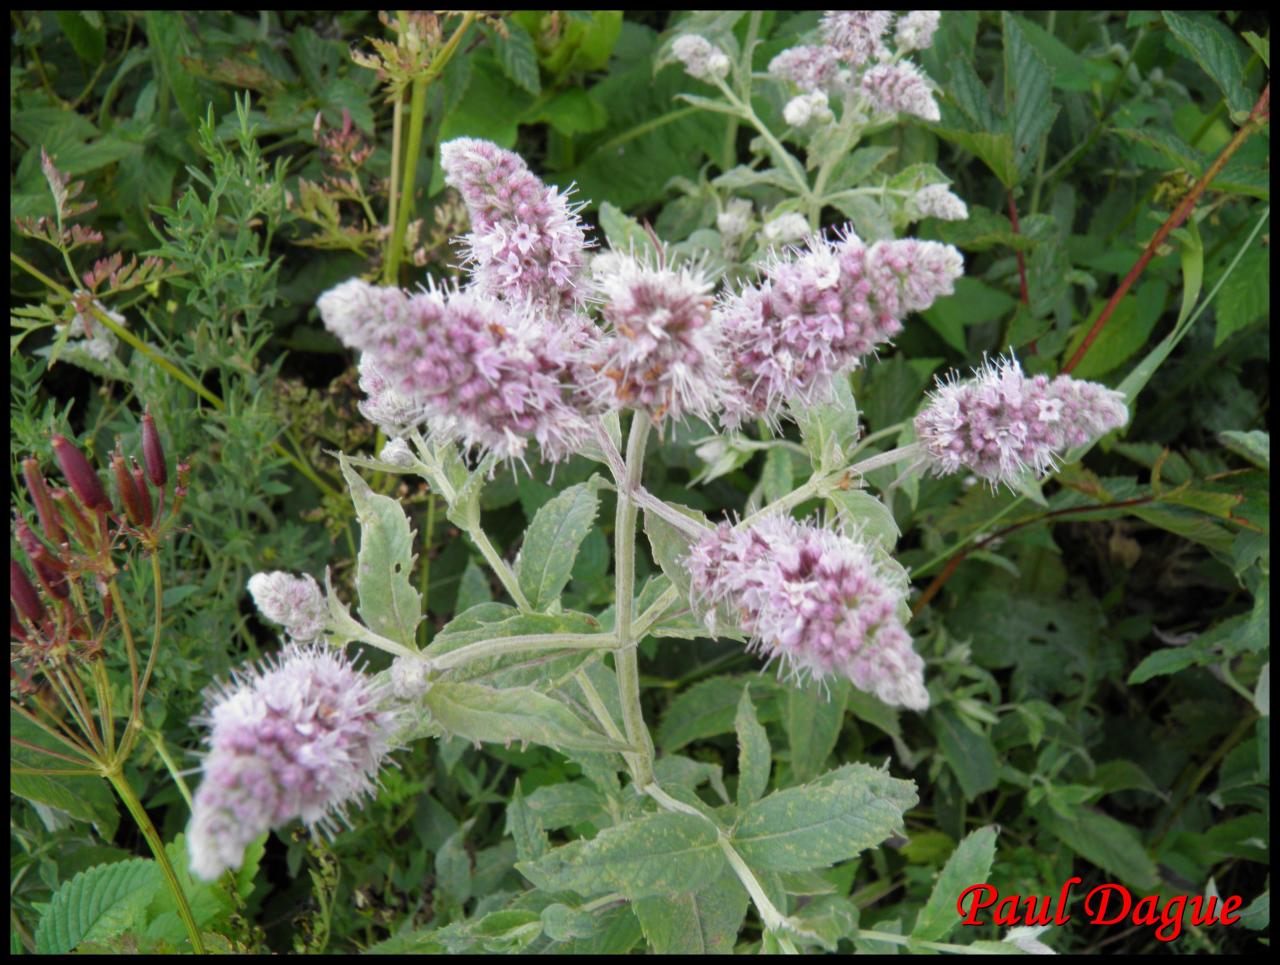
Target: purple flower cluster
x=526, y=242
x=294, y=602
x=854, y=57
x=302, y=738
x=814, y=600
x=480, y=371
x=664, y=356
x=1001, y=423
x=817, y=314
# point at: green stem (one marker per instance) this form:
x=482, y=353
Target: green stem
x=417, y=115
x=781, y=156
x=884, y=936
x=626, y=661
x=149, y=832
x=844, y=132
x=521, y=644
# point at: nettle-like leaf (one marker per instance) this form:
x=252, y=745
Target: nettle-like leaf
x=660, y=854
x=389, y=604
x=517, y=714
x=552, y=540
x=98, y=904
x=832, y=819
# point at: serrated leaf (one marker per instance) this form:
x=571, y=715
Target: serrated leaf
x=518, y=714
x=969, y=864
x=754, y=753
x=525, y=828
x=1028, y=106
x=1245, y=296
x=864, y=514
x=517, y=58
x=563, y=805
x=1219, y=53
x=703, y=922
x=98, y=904
x=389, y=604
x=660, y=854
x=551, y=542
x=815, y=825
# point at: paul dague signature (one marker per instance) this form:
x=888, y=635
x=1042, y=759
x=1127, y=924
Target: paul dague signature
x=1106, y=904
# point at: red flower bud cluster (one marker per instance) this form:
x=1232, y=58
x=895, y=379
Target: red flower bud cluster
x=69, y=557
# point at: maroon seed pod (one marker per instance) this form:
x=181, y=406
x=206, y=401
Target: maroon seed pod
x=128, y=489
x=39, y=490
x=144, y=495
x=23, y=594
x=83, y=480
x=153, y=451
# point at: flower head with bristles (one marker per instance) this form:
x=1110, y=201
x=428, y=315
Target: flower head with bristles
x=900, y=87
x=664, y=352
x=915, y=30
x=819, y=312
x=526, y=242
x=814, y=600
x=302, y=737
x=1002, y=424
x=856, y=35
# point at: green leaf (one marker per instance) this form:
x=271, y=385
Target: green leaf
x=983, y=230
x=671, y=546
x=525, y=828
x=833, y=819
x=971, y=756
x=710, y=707
x=703, y=922
x=975, y=303
x=490, y=109
x=1261, y=46
x=389, y=604
x=98, y=904
x=1126, y=331
x=1111, y=845
x=830, y=429
x=1245, y=296
x=867, y=516
x=88, y=40
x=776, y=478
x=624, y=233
x=517, y=57
x=656, y=855
x=754, y=753
x=564, y=805
x=1170, y=660
x=814, y=715
x=969, y=864
x=473, y=587
x=169, y=39
x=1219, y=53
x=521, y=714
x=572, y=112
x=828, y=918
x=1026, y=95
x=1254, y=446
x=552, y=540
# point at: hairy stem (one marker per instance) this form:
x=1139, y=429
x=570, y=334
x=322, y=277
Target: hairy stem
x=626, y=662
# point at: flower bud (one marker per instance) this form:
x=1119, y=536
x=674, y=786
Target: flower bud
x=48, y=568
x=128, y=489
x=144, y=495
x=39, y=490
x=83, y=480
x=23, y=594
x=152, y=451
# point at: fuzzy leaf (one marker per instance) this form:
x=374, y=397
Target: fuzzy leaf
x=815, y=825
x=703, y=922
x=520, y=714
x=389, y=605
x=813, y=720
x=656, y=855
x=552, y=540
x=754, y=753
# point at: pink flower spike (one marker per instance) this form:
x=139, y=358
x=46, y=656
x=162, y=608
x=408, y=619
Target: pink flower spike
x=900, y=87
x=526, y=242
x=816, y=601
x=1001, y=424
x=302, y=737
